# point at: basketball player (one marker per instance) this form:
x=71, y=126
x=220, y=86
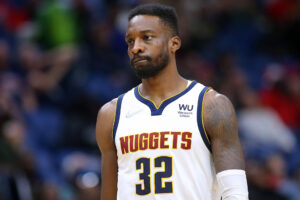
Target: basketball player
x=168, y=138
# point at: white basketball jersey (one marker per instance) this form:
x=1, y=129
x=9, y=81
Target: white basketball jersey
x=164, y=152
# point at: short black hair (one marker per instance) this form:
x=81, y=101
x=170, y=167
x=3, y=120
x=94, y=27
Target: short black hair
x=167, y=14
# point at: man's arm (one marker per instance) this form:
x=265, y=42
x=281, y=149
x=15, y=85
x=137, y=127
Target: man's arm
x=221, y=126
x=104, y=135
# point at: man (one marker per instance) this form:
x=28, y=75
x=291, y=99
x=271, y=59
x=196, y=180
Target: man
x=168, y=138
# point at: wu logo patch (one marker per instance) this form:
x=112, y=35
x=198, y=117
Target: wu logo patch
x=185, y=110
x=185, y=107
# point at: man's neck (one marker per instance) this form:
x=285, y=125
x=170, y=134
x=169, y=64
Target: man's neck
x=163, y=86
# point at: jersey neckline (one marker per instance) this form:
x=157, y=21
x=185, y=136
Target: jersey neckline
x=158, y=110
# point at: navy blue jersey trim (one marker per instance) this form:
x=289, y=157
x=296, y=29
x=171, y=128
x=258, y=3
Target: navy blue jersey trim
x=200, y=118
x=160, y=109
x=117, y=115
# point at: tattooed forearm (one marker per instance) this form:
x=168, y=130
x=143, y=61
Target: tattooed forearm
x=221, y=126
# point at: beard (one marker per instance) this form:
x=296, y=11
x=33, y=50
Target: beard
x=151, y=68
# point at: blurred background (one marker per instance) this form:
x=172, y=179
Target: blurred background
x=61, y=60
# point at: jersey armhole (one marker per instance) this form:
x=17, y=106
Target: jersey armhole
x=117, y=115
x=200, y=118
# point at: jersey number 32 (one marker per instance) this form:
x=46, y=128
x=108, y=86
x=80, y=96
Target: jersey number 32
x=160, y=186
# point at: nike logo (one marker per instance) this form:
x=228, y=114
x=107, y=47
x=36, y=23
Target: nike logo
x=131, y=114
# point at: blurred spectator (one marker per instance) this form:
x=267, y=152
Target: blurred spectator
x=260, y=187
x=262, y=127
x=57, y=24
x=283, y=94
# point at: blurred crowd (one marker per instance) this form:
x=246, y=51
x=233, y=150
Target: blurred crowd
x=61, y=60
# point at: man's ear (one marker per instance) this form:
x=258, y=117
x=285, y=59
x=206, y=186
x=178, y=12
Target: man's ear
x=174, y=44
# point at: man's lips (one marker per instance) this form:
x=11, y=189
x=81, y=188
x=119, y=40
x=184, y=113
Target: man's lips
x=140, y=59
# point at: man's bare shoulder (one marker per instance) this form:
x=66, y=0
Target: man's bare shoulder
x=108, y=109
x=213, y=98
x=219, y=113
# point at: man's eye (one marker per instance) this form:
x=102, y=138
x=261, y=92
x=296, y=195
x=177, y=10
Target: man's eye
x=147, y=37
x=129, y=42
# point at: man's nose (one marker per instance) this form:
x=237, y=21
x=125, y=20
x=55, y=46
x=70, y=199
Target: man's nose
x=138, y=47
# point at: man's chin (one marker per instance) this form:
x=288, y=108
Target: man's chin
x=144, y=72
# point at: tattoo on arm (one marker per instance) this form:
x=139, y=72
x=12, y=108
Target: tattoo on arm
x=221, y=125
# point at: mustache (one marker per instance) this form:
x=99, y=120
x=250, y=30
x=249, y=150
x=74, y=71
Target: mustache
x=139, y=58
